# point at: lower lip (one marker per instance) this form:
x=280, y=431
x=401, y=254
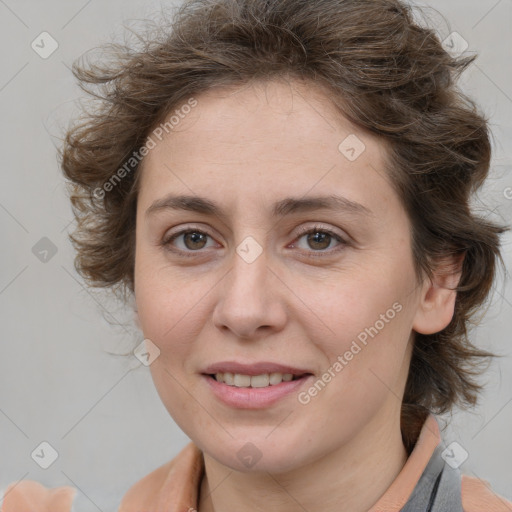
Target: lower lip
x=254, y=398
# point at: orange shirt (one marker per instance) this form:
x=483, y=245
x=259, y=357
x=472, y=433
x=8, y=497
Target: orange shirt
x=174, y=486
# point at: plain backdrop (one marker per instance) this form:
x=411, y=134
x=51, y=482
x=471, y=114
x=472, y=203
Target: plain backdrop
x=60, y=380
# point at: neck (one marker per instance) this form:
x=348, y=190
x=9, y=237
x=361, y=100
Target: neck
x=356, y=475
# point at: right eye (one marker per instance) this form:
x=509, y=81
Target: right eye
x=192, y=240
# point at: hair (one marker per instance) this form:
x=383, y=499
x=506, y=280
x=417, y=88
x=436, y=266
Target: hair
x=389, y=76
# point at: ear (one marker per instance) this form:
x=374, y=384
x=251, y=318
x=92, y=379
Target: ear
x=437, y=300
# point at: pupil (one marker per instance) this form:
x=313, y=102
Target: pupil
x=319, y=238
x=195, y=238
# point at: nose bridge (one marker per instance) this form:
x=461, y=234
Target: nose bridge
x=248, y=300
x=248, y=276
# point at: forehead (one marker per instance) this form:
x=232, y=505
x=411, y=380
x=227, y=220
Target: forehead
x=279, y=115
x=264, y=139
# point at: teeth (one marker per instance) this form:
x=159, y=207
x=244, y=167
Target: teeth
x=242, y=381
x=256, y=381
x=275, y=378
x=260, y=381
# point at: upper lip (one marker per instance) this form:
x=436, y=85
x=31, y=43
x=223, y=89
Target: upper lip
x=252, y=369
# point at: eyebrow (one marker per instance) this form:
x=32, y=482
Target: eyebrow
x=281, y=208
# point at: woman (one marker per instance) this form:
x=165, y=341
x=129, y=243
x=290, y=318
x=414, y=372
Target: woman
x=284, y=188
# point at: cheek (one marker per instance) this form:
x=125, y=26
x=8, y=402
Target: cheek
x=168, y=317
x=166, y=300
x=358, y=306
x=364, y=325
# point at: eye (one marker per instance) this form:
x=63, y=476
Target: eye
x=318, y=239
x=192, y=240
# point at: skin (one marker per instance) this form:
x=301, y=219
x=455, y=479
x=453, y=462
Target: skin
x=246, y=148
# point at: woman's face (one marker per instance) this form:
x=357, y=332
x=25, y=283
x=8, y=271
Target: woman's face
x=248, y=292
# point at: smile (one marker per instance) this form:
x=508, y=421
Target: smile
x=254, y=381
x=260, y=393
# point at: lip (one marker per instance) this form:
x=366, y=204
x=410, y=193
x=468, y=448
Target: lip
x=254, y=398
x=253, y=369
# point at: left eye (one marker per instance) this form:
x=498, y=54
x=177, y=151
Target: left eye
x=320, y=239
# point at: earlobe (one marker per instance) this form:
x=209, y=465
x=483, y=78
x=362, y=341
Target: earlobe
x=438, y=295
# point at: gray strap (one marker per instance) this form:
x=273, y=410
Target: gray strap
x=438, y=489
x=448, y=495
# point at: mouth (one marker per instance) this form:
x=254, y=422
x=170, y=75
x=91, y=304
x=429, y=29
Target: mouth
x=254, y=386
x=263, y=380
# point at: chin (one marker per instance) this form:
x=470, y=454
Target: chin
x=253, y=454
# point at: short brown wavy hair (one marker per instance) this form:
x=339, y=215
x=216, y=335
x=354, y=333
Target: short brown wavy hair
x=385, y=73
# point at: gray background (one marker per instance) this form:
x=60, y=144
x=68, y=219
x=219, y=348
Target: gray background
x=59, y=379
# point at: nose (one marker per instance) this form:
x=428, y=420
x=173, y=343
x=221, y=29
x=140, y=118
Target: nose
x=250, y=299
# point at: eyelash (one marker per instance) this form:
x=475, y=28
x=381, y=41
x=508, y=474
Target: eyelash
x=166, y=242
x=319, y=229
